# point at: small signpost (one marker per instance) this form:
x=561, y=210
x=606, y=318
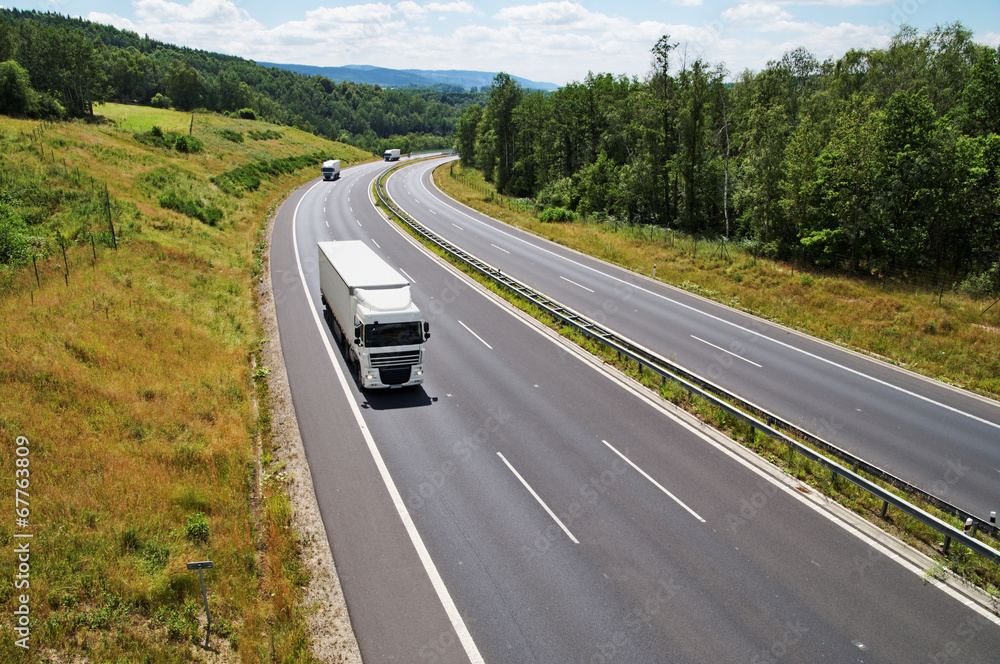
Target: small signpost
x=206, y=564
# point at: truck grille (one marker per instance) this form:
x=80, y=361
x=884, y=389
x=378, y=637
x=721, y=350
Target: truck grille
x=395, y=375
x=403, y=360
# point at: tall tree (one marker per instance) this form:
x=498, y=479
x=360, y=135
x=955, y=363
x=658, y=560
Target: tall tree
x=505, y=95
x=468, y=129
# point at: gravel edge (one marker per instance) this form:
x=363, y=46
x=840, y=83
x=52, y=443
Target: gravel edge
x=331, y=636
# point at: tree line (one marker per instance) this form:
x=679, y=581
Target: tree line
x=53, y=66
x=884, y=160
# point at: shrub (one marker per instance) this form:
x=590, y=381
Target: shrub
x=197, y=529
x=156, y=138
x=246, y=114
x=230, y=135
x=263, y=135
x=188, y=144
x=160, y=101
x=192, y=207
x=14, y=244
x=554, y=214
x=985, y=284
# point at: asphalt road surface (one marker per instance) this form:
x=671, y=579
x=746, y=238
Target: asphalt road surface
x=526, y=505
x=944, y=440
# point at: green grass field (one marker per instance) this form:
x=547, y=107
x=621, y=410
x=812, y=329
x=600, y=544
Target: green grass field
x=130, y=372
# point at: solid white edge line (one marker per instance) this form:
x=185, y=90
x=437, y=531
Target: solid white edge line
x=655, y=483
x=539, y=499
x=475, y=335
x=743, y=328
x=457, y=623
x=893, y=548
x=738, y=357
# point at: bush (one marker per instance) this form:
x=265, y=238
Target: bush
x=555, y=214
x=194, y=208
x=985, y=284
x=263, y=135
x=160, y=101
x=156, y=137
x=189, y=144
x=15, y=247
x=559, y=194
x=246, y=114
x=230, y=135
x=197, y=529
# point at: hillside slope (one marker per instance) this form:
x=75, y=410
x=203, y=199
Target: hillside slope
x=129, y=378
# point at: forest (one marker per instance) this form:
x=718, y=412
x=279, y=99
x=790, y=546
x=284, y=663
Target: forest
x=52, y=66
x=884, y=161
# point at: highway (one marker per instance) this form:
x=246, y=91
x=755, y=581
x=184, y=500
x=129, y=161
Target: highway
x=944, y=440
x=527, y=505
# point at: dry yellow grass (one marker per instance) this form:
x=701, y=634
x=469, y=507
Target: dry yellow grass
x=131, y=378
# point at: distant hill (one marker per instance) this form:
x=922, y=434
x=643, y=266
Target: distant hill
x=407, y=78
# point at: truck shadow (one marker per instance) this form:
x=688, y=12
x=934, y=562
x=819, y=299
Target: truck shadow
x=407, y=397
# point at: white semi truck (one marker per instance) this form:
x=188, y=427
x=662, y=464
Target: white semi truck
x=331, y=169
x=392, y=154
x=368, y=307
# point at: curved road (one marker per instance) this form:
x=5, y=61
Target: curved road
x=525, y=505
x=944, y=440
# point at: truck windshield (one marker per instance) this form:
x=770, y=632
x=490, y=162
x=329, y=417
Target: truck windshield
x=393, y=334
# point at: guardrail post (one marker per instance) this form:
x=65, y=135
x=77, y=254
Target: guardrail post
x=947, y=543
x=885, y=507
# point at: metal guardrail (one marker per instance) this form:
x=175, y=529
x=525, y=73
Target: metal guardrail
x=749, y=413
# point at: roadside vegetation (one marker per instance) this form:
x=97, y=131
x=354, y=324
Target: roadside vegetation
x=948, y=334
x=945, y=335
x=129, y=360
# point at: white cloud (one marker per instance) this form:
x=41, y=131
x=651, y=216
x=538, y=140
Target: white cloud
x=198, y=11
x=451, y=7
x=989, y=39
x=756, y=12
x=553, y=40
x=844, y=3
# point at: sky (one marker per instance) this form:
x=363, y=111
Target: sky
x=557, y=41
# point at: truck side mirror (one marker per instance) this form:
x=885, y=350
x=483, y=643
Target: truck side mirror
x=427, y=330
x=357, y=334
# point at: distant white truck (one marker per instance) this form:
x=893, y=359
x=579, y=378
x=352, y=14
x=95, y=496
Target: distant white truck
x=392, y=154
x=331, y=169
x=368, y=307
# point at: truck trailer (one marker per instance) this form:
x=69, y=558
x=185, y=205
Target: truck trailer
x=392, y=154
x=368, y=307
x=331, y=169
